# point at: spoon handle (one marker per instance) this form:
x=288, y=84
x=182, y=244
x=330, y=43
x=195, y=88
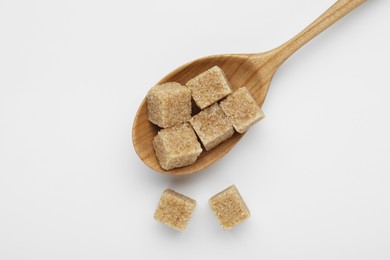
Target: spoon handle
x=328, y=18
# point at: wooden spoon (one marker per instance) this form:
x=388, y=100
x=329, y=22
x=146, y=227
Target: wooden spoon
x=254, y=71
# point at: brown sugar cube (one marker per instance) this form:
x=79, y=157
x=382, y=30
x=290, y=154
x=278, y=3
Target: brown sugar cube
x=209, y=87
x=169, y=104
x=212, y=126
x=176, y=146
x=229, y=207
x=241, y=110
x=174, y=209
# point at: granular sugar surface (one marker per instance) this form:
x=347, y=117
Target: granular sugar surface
x=212, y=126
x=229, y=207
x=176, y=146
x=209, y=87
x=241, y=109
x=174, y=209
x=169, y=104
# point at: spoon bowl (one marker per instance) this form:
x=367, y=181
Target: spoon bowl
x=239, y=70
x=254, y=71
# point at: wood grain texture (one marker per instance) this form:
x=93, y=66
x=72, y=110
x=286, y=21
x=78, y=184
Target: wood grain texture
x=254, y=71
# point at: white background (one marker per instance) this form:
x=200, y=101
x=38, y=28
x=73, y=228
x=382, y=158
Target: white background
x=315, y=173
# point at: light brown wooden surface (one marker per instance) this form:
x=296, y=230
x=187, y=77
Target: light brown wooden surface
x=254, y=71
